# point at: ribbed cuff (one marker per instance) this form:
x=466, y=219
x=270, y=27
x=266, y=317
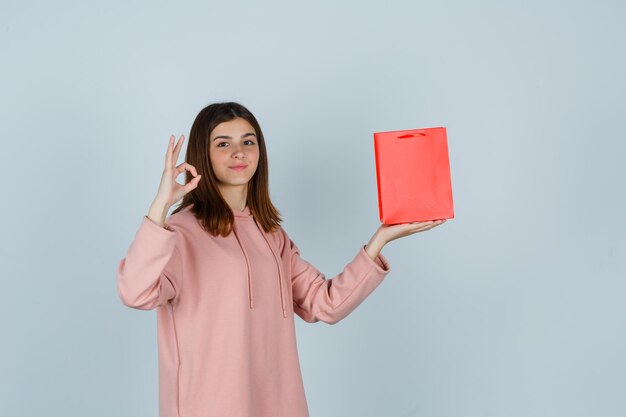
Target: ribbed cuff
x=380, y=263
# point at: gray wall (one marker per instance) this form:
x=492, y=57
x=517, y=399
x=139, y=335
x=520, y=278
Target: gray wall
x=514, y=308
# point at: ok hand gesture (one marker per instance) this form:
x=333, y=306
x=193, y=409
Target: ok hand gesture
x=170, y=191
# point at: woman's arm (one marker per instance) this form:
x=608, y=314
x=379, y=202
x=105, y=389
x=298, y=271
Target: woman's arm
x=151, y=272
x=317, y=298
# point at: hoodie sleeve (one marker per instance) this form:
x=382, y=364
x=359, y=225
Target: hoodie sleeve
x=151, y=272
x=316, y=298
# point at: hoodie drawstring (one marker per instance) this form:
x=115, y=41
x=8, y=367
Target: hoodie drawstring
x=245, y=255
x=276, y=259
x=280, y=281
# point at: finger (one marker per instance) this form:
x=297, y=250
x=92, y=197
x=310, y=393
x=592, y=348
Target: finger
x=434, y=224
x=179, y=145
x=188, y=167
x=168, y=154
x=430, y=222
x=193, y=170
x=192, y=184
x=424, y=222
x=423, y=226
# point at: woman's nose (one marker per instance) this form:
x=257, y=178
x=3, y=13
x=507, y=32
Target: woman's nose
x=238, y=151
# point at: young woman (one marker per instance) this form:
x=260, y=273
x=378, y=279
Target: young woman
x=227, y=279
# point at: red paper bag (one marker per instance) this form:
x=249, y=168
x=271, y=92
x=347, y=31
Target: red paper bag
x=413, y=175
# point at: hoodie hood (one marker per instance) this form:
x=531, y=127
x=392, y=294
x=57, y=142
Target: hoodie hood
x=246, y=215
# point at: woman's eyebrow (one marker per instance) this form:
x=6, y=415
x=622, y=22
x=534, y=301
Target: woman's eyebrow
x=229, y=137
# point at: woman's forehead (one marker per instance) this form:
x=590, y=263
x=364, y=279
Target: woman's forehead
x=236, y=125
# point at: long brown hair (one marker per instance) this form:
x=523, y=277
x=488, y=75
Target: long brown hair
x=209, y=207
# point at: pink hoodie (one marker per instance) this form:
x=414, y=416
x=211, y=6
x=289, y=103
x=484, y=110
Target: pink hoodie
x=225, y=323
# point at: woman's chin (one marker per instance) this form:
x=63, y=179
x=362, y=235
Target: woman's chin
x=233, y=182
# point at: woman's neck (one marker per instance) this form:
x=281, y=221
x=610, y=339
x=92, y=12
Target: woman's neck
x=235, y=196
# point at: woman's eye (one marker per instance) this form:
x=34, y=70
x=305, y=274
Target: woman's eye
x=223, y=143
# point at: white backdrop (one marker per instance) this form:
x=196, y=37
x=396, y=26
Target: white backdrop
x=514, y=308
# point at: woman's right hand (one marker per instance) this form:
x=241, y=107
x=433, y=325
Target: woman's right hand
x=170, y=191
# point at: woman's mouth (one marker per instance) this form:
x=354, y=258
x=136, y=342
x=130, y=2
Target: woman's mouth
x=238, y=167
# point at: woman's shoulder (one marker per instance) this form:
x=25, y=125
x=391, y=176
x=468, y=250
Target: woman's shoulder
x=282, y=238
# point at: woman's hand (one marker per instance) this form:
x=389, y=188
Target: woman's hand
x=387, y=233
x=171, y=191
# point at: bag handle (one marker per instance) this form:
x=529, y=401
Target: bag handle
x=411, y=135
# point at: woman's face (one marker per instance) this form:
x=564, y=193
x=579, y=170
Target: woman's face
x=234, y=143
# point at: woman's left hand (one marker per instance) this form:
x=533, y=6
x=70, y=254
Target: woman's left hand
x=387, y=233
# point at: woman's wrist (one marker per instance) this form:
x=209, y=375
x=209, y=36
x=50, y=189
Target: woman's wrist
x=158, y=212
x=374, y=246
